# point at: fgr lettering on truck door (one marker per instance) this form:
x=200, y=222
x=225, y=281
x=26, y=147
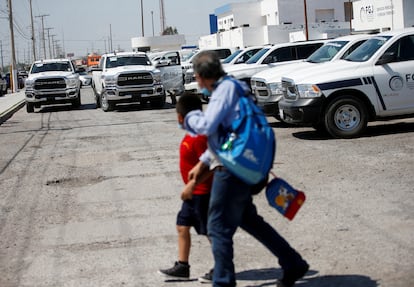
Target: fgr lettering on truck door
x=396, y=83
x=409, y=78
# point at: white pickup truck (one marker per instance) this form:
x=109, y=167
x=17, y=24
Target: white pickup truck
x=267, y=85
x=52, y=81
x=125, y=78
x=375, y=81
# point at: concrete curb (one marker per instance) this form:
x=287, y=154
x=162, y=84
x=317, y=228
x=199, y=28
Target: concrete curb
x=6, y=114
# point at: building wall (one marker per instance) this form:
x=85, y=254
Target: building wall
x=166, y=42
x=408, y=11
x=382, y=15
x=272, y=21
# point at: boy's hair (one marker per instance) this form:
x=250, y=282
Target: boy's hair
x=188, y=102
x=207, y=64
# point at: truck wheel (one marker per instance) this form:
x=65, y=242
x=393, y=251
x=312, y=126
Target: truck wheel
x=105, y=104
x=30, y=107
x=77, y=102
x=346, y=117
x=159, y=103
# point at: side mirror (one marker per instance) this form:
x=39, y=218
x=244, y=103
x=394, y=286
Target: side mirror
x=388, y=57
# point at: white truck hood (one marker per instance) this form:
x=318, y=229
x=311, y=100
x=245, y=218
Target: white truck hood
x=244, y=70
x=274, y=75
x=331, y=71
x=122, y=69
x=51, y=74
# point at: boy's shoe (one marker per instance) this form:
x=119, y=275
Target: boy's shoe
x=207, y=278
x=178, y=271
x=289, y=278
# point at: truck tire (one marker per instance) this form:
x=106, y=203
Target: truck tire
x=96, y=96
x=345, y=117
x=77, y=102
x=159, y=103
x=105, y=104
x=29, y=107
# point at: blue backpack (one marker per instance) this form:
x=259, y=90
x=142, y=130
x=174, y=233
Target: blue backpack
x=248, y=148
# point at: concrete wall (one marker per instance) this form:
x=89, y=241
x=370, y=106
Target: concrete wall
x=382, y=14
x=167, y=42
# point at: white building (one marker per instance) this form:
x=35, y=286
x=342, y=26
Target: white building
x=382, y=15
x=275, y=21
x=161, y=43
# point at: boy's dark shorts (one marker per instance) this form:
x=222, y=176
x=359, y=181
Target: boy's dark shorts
x=194, y=213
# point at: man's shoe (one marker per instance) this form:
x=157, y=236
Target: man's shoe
x=179, y=271
x=290, y=277
x=207, y=278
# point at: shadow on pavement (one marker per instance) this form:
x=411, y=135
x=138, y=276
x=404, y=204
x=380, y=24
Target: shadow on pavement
x=371, y=131
x=310, y=280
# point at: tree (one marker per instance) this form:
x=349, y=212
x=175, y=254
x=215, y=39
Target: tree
x=170, y=31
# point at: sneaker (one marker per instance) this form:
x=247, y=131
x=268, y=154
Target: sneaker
x=207, y=278
x=289, y=278
x=178, y=271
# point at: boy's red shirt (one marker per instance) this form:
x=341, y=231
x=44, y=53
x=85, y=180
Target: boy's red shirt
x=191, y=148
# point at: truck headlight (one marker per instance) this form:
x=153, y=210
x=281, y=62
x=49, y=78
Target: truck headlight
x=307, y=91
x=275, y=89
x=110, y=80
x=72, y=82
x=157, y=77
x=29, y=83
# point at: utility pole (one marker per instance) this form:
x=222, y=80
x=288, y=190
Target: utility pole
x=1, y=54
x=152, y=20
x=110, y=38
x=162, y=16
x=33, y=33
x=306, y=21
x=13, y=73
x=48, y=38
x=53, y=46
x=142, y=19
x=43, y=33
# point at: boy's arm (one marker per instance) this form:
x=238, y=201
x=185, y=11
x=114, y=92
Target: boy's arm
x=203, y=173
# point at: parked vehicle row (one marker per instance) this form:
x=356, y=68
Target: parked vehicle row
x=375, y=81
x=265, y=58
x=336, y=85
x=267, y=85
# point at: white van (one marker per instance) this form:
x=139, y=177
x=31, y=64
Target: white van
x=267, y=85
x=374, y=81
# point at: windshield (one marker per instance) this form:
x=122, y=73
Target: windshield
x=231, y=57
x=118, y=61
x=326, y=52
x=367, y=49
x=47, y=67
x=188, y=56
x=257, y=56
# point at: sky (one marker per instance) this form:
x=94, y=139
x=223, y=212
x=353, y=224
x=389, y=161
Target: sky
x=84, y=26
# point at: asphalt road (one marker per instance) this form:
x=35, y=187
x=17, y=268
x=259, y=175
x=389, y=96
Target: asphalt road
x=89, y=198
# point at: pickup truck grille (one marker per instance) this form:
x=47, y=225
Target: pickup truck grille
x=260, y=89
x=189, y=78
x=50, y=84
x=289, y=90
x=135, y=79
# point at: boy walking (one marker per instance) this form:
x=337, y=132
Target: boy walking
x=195, y=195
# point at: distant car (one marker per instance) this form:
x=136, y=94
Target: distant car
x=85, y=78
x=3, y=86
x=20, y=81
